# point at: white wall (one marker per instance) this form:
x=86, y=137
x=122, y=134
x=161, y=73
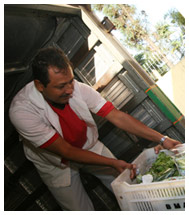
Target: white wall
x=173, y=85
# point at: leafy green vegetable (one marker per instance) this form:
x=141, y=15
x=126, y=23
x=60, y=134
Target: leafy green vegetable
x=161, y=169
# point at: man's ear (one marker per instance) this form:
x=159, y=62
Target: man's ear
x=39, y=85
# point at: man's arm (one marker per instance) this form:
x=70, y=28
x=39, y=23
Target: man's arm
x=134, y=126
x=67, y=151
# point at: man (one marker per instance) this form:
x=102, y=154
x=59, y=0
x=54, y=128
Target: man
x=52, y=115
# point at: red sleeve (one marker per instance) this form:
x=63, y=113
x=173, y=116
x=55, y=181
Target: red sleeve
x=51, y=140
x=105, y=109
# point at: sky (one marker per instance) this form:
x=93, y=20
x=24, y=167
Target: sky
x=155, y=9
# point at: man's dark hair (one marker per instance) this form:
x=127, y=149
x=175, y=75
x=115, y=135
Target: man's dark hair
x=49, y=57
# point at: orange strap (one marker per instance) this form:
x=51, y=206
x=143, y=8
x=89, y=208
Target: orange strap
x=178, y=119
x=153, y=86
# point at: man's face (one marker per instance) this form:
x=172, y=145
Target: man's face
x=60, y=88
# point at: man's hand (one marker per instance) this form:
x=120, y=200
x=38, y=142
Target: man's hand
x=158, y=148
x=168, y=143
x=121, y=165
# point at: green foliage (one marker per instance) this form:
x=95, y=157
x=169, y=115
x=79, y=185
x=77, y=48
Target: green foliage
x=163, y=30
x=140, y=58
x=177, y=19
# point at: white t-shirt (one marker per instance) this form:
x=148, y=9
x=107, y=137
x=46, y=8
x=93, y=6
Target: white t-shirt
x=36, y=122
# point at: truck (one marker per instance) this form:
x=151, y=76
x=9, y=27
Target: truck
x=100, y=61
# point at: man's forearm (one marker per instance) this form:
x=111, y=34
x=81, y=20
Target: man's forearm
x=87, y=157
x=133, y=126
x=65, y=150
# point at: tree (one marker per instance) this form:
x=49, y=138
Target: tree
x=178, y=22
x=154, y=49
x=136, y=34
x=177, y=19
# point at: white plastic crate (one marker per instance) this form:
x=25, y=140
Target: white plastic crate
x=155, y=196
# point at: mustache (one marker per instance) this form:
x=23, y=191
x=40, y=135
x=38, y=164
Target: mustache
x=65, y=95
